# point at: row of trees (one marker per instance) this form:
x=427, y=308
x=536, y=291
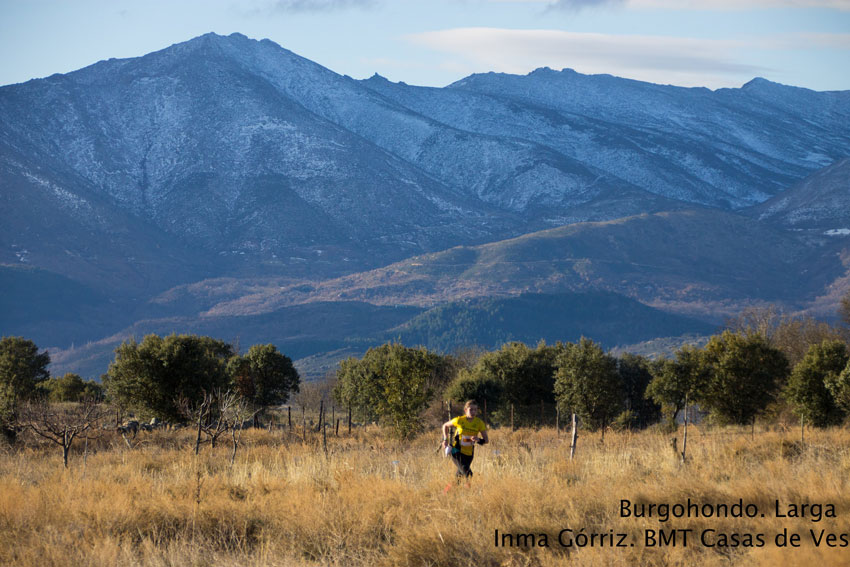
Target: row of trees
x=735, y=377
x=157, y=377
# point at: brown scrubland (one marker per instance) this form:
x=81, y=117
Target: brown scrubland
x=370, y=500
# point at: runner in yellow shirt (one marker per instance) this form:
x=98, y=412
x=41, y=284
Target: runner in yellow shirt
x=469, y=430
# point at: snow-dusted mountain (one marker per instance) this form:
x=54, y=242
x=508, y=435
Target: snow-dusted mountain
x=240, y=147
x=229, y=168
x=725, y=148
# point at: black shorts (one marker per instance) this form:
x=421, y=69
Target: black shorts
x=462, y=462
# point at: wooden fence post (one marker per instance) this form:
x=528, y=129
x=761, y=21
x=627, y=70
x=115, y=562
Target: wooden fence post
x=558, y=420
x=573, y=438
x=512, y=417
x=685, y=432
x=321, y=413
x=289, y=417
x=349, y=418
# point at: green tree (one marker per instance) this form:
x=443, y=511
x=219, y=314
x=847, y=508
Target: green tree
x=635, y=375
x=525, y=377
x=390, y=384
x=469, y=386
x=679, y=381
x=839, y=386
x=71, y=388
x=22, y=368
x=406, y=375
x=150, y=377
x=746, y=373
x=807, y=387
x=263, y=376
x=67, y=388
x=587, y=383
x=358, y=384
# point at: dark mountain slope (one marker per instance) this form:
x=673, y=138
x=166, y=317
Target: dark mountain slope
x=819, y=202
x=700, y=262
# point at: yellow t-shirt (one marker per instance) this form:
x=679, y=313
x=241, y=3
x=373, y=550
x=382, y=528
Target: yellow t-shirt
x=468, y=429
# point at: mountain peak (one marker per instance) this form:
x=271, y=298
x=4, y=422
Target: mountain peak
x=376, y=78
x=759, y=83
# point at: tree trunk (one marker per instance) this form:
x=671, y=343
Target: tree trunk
x=67, y=439
x=198, y=438
x=235, y=445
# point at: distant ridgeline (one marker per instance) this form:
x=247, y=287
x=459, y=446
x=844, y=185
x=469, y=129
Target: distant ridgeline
x=608, y=318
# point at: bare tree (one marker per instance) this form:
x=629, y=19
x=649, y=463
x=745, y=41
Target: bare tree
x=61, y=423
x=236, y=412
x=208, y=414
x=793, y=335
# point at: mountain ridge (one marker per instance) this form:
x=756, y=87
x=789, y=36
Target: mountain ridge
x=225, y=178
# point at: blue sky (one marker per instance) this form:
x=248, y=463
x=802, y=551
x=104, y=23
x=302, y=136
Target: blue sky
x=713, y=43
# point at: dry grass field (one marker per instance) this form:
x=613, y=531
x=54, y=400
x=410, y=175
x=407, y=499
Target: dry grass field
x=373, y=501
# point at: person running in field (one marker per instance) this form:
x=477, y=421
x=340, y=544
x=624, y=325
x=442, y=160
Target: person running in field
x=469, y=429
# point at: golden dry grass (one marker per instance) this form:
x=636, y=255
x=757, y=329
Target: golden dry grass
x=372, y=501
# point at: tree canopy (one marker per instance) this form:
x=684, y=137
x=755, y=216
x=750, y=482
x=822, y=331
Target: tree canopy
x=515, y=376
x=679, y=381
x=22, y=368
x=391, y=384
x=150, y=377
x=635, y=377
x=263, y=376
x=746, y=373
x=71, y=388
x=807, y=387
x=587, y=383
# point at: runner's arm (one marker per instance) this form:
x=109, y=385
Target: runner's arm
x=446, y=427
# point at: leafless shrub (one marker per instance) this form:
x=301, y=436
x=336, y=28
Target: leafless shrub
x=62, y=423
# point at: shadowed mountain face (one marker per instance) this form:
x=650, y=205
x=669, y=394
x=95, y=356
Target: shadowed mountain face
x=225, y=177
x=819, y=202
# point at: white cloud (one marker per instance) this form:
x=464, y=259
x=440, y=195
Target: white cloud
x=575, y=5
x=265, y=7
x=680, y=61
x=829, y=40
x=723, y=5
x=707, y=5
